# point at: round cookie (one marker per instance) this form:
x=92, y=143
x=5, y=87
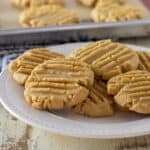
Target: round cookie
x=135, y=97
x=22, y=67
x=97, y=104
x=22, y=4
x=107, y=58
x=144, y=57
x=110, y=12
x=116, y=83
x=47, y=15
x=58, y=83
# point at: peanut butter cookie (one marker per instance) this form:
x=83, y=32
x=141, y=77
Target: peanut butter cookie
x=144, y=58
x=115, y=12
x=58, y=83
x=47, y=15
x=116, y=83
x=107, y=58
x=22, y=67
x=97, y=104
x=135, y=97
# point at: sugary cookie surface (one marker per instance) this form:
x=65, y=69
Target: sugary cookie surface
x=116, y=83
x=47, y=15
x=97, y=104
x=22, y=67
x=135, y=97
x=58, y=83
x=107, y=58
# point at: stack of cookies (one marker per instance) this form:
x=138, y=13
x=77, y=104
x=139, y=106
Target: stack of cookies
x=93, y=81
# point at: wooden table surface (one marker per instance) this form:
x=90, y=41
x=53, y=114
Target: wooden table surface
x=16, y=135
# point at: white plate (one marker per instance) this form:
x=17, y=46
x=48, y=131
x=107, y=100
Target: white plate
x=66, y=123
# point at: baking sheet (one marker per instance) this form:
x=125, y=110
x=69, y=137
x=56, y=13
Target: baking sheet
x=11, y=33
x=9, y=15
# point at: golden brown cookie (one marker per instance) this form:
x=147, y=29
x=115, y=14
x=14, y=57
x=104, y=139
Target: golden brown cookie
x=115, y=12
x=88, y=3
x=47, y=15
x=107, y=58
x=116, y=83
x=58, y=83
x=22, y=4
x=97, y=104
x=144, y=57
x=22, y=67
x=135, y=97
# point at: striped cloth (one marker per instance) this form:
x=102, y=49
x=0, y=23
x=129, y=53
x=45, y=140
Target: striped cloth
x=6, y=56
